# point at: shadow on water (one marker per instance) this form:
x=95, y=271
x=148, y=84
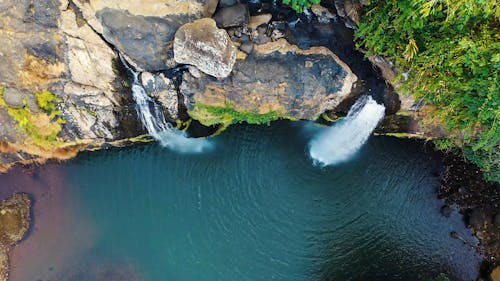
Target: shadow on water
x=255, y=208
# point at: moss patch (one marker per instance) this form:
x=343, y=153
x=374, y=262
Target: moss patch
x=42, y=128
x=212, y=115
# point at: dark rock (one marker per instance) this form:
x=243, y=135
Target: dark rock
x=233, y=16
x=446, y=211
x=143, y=39
x=247, y=47
x=391, y=101
x=46, y=49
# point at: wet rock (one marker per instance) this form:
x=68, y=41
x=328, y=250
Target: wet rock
x=233, y=16
x=203, y=45
x=14, y=224
x=276, y=77
x=163, y=90
x=391, y=101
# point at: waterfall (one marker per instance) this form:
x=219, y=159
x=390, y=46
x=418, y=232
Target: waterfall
x=338, y=143
x=153, y=120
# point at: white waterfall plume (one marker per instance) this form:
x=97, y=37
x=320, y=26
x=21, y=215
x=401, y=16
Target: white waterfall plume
x=153, y=120
x=338, y=143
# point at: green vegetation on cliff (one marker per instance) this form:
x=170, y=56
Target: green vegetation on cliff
x=448, y=54
x=42, y=128
x=300, y=5
x=212, y=115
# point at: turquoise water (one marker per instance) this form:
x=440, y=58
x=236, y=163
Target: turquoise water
x=255, y=208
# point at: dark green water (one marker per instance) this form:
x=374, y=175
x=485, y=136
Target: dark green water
x=255, y=208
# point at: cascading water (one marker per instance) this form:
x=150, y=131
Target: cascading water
x=153, y=120
x=340, y=142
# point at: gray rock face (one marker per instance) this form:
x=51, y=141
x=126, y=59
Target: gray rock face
x=203, y=45
x=49, y=46
x=276, y=77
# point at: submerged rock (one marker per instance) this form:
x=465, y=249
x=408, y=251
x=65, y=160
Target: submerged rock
x=14, y=224
x=277, y=80
x=203, y=45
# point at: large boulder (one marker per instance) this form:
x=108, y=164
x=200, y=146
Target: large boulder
x=143, y=30
x=205, y=46
x=14, y=224
x=276, y=78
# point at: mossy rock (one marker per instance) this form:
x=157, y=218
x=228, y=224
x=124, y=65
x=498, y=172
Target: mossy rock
x=14, y=219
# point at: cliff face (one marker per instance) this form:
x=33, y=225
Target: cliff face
x=63, y=88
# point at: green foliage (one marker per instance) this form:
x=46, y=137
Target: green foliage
x=41, y=128
x=440, y=277
x=212, y=115
x=47, y=101
x=451, y=51
x=300, y=5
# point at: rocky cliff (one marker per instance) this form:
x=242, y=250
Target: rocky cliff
x=63, y=87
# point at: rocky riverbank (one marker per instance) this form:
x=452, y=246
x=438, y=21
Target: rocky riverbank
x=14, y=224
x=63, y=88
x=463, y=187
